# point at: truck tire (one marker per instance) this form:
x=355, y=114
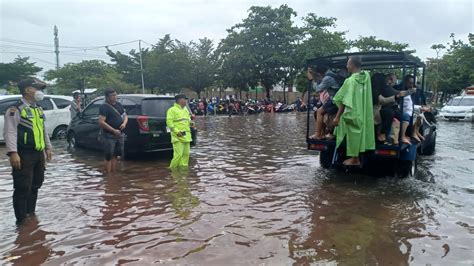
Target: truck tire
x=325, y=158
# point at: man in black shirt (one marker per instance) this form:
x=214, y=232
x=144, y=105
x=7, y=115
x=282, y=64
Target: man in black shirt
x=112, y=121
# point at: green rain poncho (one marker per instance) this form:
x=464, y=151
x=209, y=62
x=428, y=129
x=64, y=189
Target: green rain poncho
x=357, y=122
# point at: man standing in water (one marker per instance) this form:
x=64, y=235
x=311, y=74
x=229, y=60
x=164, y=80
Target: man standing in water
x=354, y=119
x=178, y=121
x=27, y=145
x=112, y=121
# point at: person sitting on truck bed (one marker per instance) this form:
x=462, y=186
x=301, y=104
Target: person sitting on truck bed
x=354, y=120
x=408, y=85
x=383, y=96
x=326, y=86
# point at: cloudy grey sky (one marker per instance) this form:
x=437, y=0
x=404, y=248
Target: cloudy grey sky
x=85, y=23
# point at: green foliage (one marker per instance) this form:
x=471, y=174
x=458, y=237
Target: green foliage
x=167, y=66
x=454, y=71
x=17, y=70
x=87, y=74
x=371, y=43
x=264, y=41
x=202, y=66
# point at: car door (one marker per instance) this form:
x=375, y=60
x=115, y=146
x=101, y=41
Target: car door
x=51, y=116
x=4, y=104
x=87, y=129
x=62, y=108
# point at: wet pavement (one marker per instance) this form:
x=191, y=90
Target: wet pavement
x=254, y=195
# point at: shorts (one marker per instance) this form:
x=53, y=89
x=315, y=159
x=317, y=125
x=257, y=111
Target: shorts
x=406, y=117
x=330, y=108
x=112, y=147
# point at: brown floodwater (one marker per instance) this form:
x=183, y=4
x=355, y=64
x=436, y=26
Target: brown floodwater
x=253, y=195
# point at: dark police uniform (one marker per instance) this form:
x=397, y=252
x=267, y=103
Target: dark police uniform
x=24, y=133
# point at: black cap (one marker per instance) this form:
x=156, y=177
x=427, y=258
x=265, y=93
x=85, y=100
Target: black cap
x=35, y=83
x=180, y=96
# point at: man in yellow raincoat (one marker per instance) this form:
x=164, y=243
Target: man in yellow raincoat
x=178, y=121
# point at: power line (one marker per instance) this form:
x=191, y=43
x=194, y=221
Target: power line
x=44, y=61
x=25, y=48
x=147, y=43
x=78, y=48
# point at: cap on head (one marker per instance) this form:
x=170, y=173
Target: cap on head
x=180, y=96
x=31, y=82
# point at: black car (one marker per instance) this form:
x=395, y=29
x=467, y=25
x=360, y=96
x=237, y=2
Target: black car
x=145, y=131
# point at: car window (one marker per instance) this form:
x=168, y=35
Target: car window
x=467, y=102
x=461, y=101
x=92, y=109
x=130, y=106
x=156, y=107
x=5, y=104
x=61, y=103
x=46, y=104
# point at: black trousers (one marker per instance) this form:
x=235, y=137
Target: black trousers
x=26, y=182
x=387, y=116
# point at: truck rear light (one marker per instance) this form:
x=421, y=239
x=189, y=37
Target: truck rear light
x=386, y=152
x=143, y=122
x=319, y=147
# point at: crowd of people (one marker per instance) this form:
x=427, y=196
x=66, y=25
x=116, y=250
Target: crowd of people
x=365, y=109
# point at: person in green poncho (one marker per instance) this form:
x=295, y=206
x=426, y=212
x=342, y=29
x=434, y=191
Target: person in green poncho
x=354, y=119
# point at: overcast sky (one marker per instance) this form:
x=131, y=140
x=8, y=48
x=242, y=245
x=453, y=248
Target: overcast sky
x=93, y=23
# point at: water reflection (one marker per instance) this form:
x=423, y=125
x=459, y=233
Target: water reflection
x=182, y=200
x=31, y=244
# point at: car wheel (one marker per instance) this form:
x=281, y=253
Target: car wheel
x=60, y=132
x=71, y=139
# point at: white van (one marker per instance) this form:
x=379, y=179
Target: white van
x=56, y=110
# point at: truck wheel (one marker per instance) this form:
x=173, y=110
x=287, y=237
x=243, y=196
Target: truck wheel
x=430, y=149
x=325, y=159
x=404, y=169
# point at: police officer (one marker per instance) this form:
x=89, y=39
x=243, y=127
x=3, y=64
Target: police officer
x=27, y=144
x=178, y=121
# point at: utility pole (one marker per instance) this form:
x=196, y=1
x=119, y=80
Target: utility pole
x=56, y=46
x=141, y=65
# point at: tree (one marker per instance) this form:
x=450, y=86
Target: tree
x=17, y=70
x=203, y=66
x=128, y=65
x=371, y=43
x=264, y=40
x=318, y=39
x=87, y=74
x=167, y=66
x=453, y=71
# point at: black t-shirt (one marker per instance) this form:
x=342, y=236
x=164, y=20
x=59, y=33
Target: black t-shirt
x=113, y=114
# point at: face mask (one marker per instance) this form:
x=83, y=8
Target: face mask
x=39, y=96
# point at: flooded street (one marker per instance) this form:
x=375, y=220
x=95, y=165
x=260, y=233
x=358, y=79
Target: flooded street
x=253, y=195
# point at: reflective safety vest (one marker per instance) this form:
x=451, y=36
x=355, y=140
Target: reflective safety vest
x=30, y=130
